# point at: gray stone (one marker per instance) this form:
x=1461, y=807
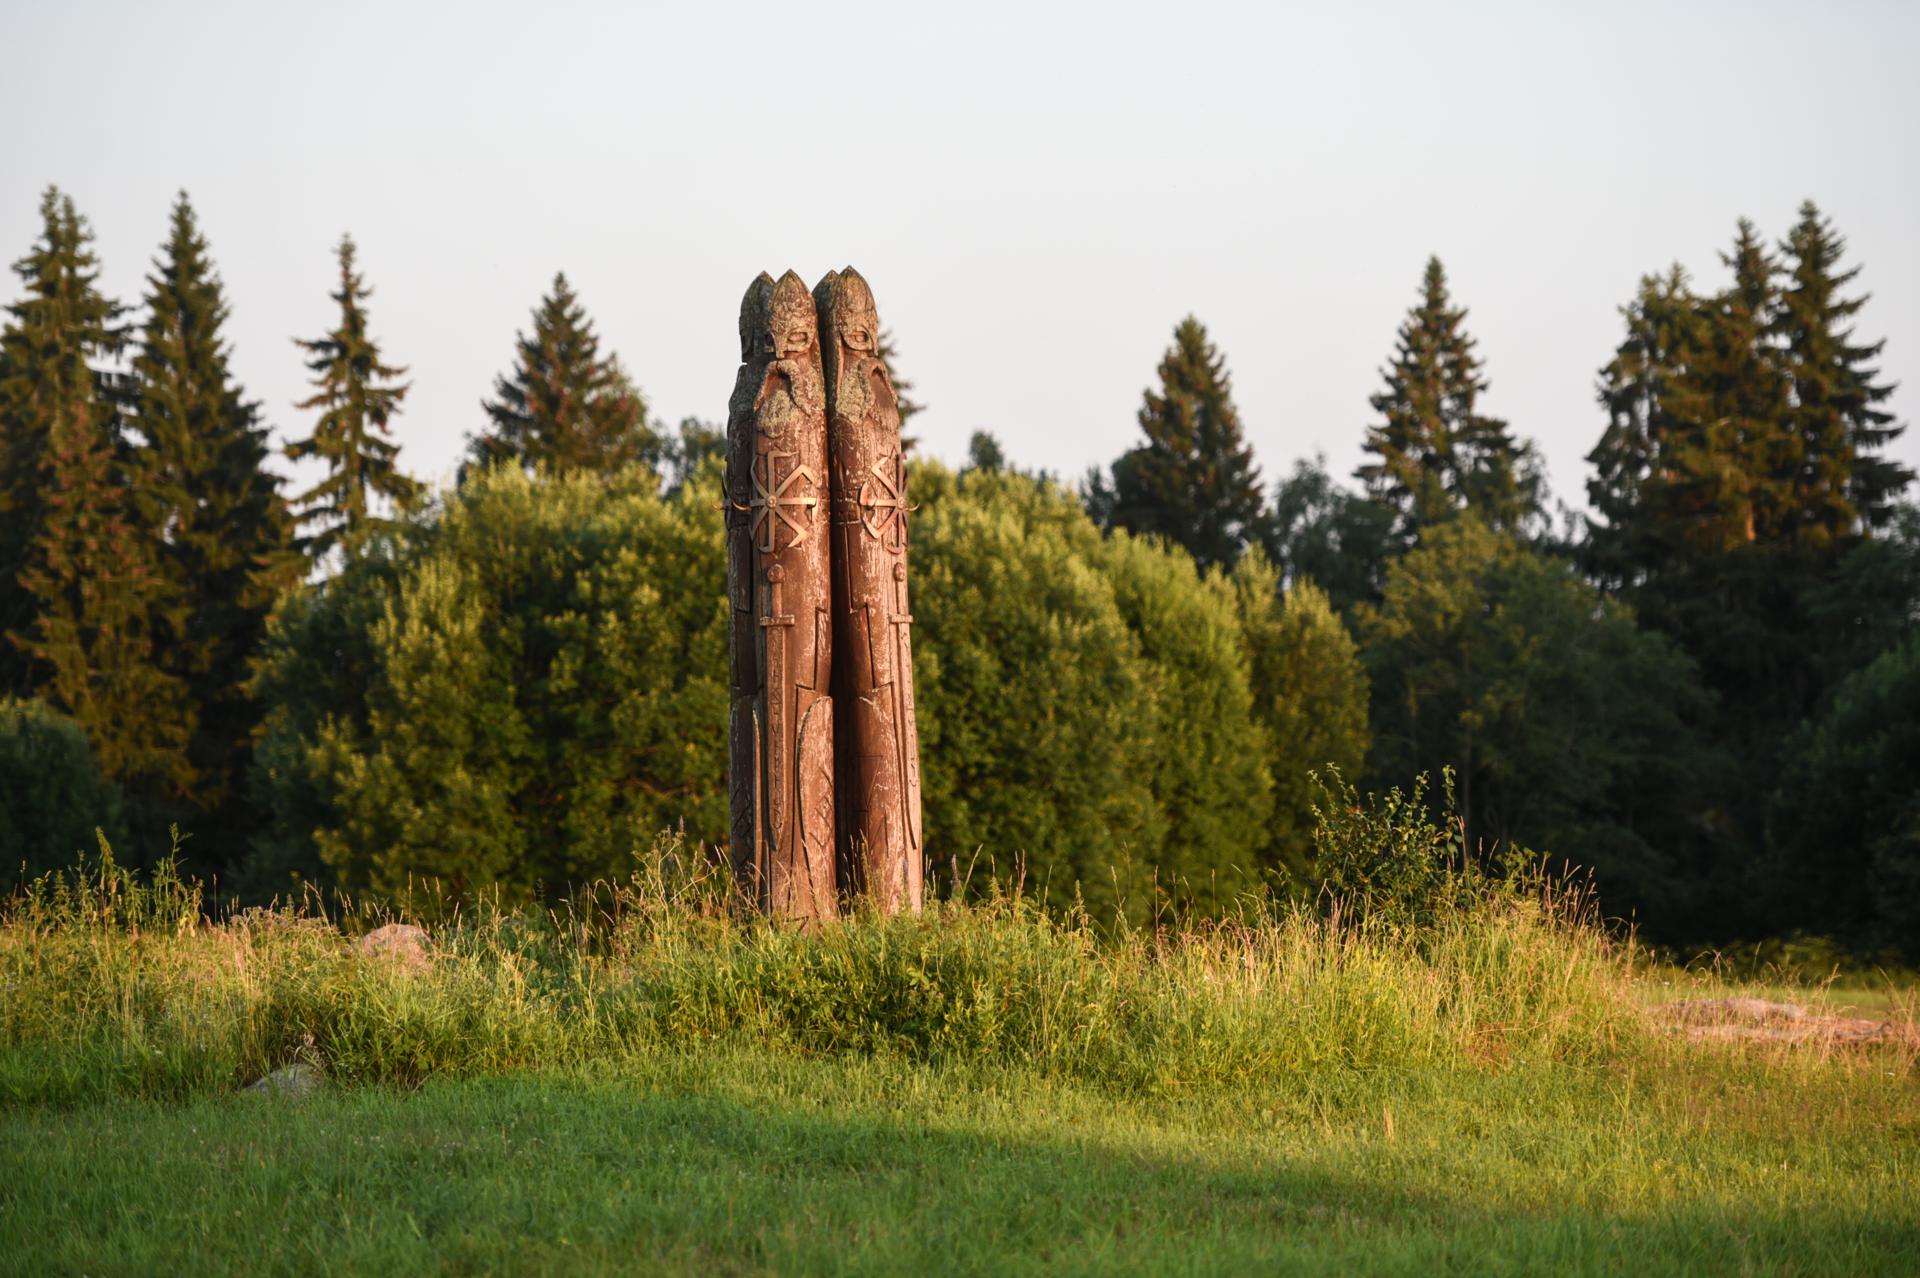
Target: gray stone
x=297, y=1079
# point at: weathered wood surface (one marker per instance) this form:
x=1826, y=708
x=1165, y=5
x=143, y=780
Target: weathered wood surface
x=879, y=763
x=779, y=583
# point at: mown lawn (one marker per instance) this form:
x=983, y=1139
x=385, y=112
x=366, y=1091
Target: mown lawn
x=725, y=1160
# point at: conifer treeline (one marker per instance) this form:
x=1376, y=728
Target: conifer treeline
x=1633, y=690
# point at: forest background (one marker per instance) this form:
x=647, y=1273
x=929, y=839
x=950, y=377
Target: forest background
x=1705, y=692
x=326, y=651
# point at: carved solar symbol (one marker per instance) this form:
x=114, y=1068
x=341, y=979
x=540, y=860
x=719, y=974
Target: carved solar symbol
x=771, y=503
x=884, y=513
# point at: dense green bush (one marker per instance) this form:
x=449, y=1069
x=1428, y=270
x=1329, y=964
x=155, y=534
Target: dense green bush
x=526, y=686
x=528, y=683
x=52, y=795
x=1207, y=766
x=1036, y=708
x=1309, y=696
x=1087, y=700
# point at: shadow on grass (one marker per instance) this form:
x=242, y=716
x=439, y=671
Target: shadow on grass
x=533, y=1174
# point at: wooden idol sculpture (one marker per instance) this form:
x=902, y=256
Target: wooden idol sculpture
x=822, y=659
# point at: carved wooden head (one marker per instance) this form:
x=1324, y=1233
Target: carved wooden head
x=756, y=335
x=851, y=316
x=793, y=323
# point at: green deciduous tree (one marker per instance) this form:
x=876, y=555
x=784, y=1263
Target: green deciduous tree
x=1208, y=766
x=531, y=688
x=1435, y=451
x=564, y=405
x=1845, y=823
x=1871, y=599
x=1309, y=698
x=1036, y=713
x=1085, y=700
x=52, y=795
x=1570, y=729
x=215, y=514
x=1193, y=482
x=1317, y=531
x=357, y=396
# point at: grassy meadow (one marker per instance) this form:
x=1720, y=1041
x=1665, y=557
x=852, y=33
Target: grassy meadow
x=646, y=1081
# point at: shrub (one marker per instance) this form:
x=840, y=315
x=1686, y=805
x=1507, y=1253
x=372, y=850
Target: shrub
x=1036, y=707
x=524, y=689
x=1086, y=700
x=53, y=797
x=529, y=682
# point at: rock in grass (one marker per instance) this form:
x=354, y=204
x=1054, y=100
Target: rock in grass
x=297, y=1079
x=1759, y=1020
x=1732, y=1011
x=402, y=944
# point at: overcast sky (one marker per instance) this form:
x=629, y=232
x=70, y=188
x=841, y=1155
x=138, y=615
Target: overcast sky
x=1037, y=192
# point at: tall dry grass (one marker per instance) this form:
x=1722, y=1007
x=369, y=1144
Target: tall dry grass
x=113, y=985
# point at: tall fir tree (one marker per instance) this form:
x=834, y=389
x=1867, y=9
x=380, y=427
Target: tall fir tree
x=1738, y=469
x=55, y=336
x=357, y=396
x=223, y=530
x=1194, y=481
x=1633, y=458
x=564, y=406
x=1731, y=396
x=1841, y=483
x=1688, y=489
x=1436, y=452
x=87, y=599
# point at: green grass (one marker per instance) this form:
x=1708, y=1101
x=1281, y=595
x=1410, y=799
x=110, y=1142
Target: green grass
x=647, y=1082
x=737, y=1161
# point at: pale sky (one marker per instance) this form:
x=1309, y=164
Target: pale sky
x=1037, y=192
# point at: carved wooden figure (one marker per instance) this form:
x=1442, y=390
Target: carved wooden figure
x=780, y=731
x=879, y=761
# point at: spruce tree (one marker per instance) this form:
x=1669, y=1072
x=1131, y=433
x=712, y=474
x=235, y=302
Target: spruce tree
x=1436, y=452
x=55, y=337
x=1630, y=461
x=564, y=406
x=1193, y=482
x=214, y=512
x=90, y=600
x=1840, y=483
x=1733, y=393
x=1695, y=462
x=357, y=396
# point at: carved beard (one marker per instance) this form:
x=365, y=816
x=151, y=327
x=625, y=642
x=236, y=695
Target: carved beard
x=864, y=388
x=803, y=384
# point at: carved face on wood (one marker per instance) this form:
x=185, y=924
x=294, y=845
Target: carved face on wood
x=851, y=315
x=756, y=336
x=793, y=321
